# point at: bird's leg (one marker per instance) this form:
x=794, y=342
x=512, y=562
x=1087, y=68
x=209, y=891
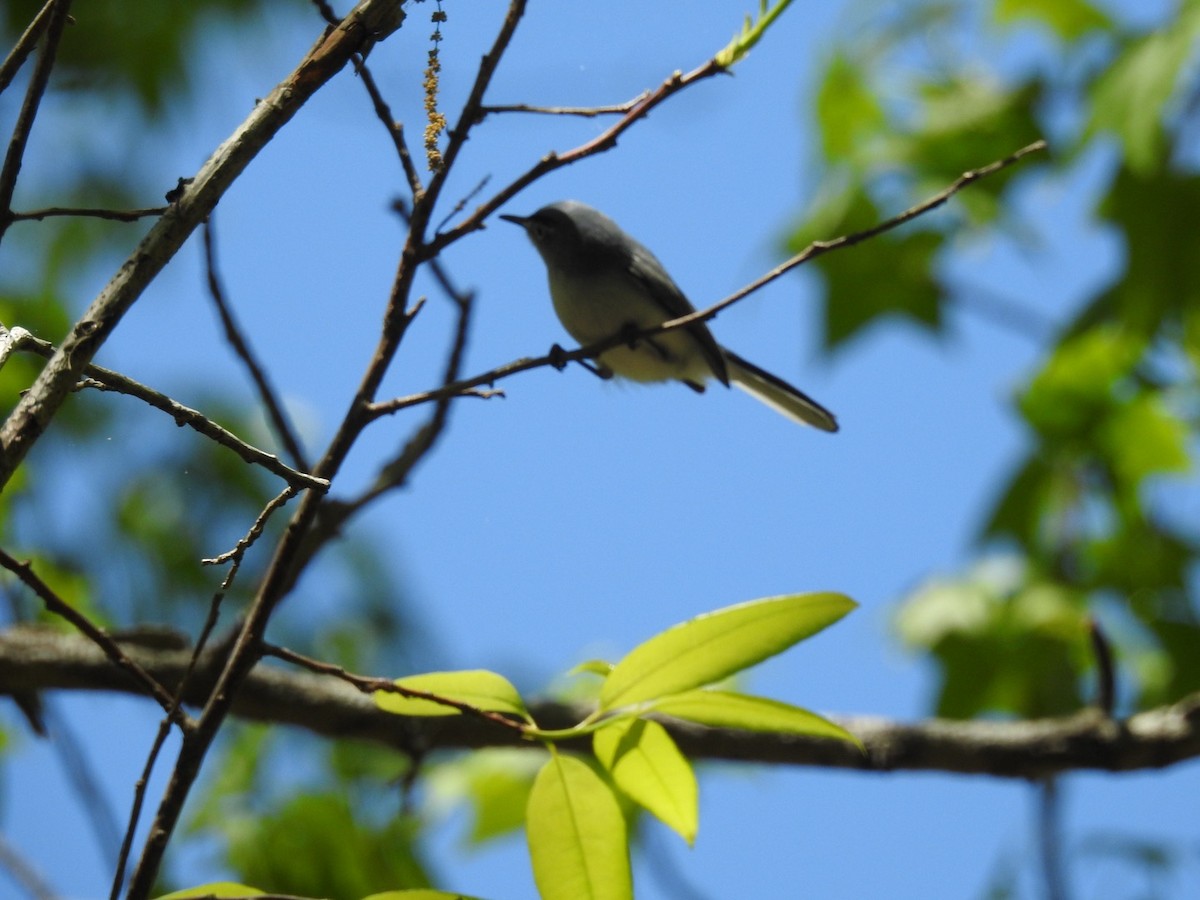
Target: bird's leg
x=558, y=359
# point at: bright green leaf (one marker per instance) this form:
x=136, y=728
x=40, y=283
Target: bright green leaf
x=724, y=709
x=478, y=688
x=215, y=889
x=717, y=644
x=576, y=833
x=646, y=765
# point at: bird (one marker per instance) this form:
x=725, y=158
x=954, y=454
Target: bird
x=603, y=282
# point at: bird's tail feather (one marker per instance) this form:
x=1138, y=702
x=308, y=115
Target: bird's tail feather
x=778, y=394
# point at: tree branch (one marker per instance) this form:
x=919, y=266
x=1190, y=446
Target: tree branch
x=368, y=21
x=39, y=659
x=103, y=379
x=56, y=20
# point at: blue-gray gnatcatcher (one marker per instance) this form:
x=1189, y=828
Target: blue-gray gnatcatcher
x=604, y=282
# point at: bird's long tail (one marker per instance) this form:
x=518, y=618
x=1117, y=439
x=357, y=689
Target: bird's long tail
x=778, y=394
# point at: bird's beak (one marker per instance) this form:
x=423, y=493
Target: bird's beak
x=516, y=220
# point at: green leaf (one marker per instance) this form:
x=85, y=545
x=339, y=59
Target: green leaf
x=1069, y=19
x=1075, y=389
x=576, y=833
x=1130, y=99
x=1162, y=276
x=717, y=644
x=477, y=688
x=599, y=667
x=849, y=114
x=1142, y=438
x=725, y=709
x=215, y=889
x=646, y=765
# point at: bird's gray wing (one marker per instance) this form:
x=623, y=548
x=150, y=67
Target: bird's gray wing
x=645, y=268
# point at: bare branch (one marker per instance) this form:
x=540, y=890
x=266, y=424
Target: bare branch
x=56, y=21
x=241, y=347
x=116, y=215
x=255, y=531
x=60, y=607
x=587, y=112
x=24, y=46
x=39, y=659
x=602, y=142
x=369, y=21
x=100, y=378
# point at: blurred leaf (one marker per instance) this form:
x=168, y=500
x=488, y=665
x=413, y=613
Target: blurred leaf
x=717, y=644
x=888, y=275
x=1076, y=388
x=478, y=688
x=1142, y=438
x=315, y=846
x=1130, y=98
x=724, y=709
x=850, y=116
x=1017, y=649
x=1161, y=283
x=138, y=46
x=242, y=752
x=577, y=836
x=1069, y=19
x=494, y=782
x=645, y=764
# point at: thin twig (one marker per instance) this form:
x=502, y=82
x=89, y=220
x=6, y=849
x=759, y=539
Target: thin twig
x=369, y=685
x=60, y=607
x=135, y=810
x=820, y=248
x=606, y=140
x=256, y=529
x=104, y=379
x=383, y=111
x=241, y=347
x=587, y=112
x=24, y=46
x=812, y=251
x=56, y=22
x=116, y=215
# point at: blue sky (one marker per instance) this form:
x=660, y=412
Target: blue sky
x=575, y=518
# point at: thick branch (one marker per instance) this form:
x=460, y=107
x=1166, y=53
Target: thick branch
x=35, y=659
